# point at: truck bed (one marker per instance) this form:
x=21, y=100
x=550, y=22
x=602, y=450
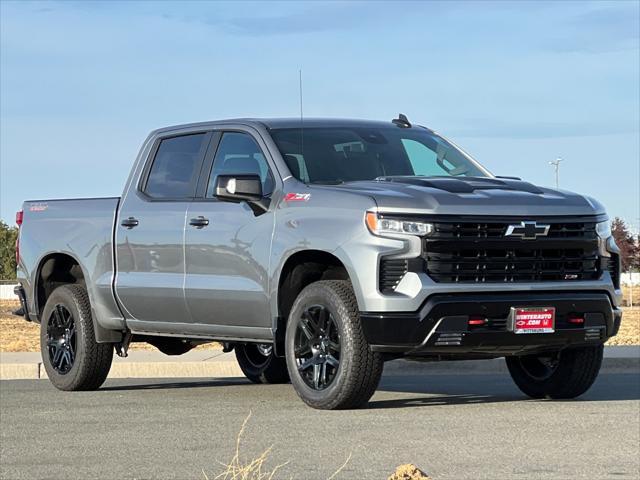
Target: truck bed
x=81, y=228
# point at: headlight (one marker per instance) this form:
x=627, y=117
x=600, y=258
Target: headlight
x=603, y=229
x=382, y=226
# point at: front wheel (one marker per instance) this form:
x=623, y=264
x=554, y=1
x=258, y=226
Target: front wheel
x=329, y=359
x=565, y=374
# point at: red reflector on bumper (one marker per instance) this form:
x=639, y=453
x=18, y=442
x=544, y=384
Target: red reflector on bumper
x=576, y=320
x=477, y=321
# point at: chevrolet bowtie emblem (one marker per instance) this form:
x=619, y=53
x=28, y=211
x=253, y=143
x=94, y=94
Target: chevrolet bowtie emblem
x=527, y=230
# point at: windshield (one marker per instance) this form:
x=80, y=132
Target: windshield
x=344, y=154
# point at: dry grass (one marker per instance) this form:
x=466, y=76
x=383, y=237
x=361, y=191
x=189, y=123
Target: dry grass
x=629, y=333
x=255, y=469
x=17, y=335
x=239, y=469
x=409, y=472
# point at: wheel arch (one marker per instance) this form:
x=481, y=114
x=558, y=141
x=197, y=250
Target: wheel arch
x=63, y=268
x=55, y=269
x=300, y=269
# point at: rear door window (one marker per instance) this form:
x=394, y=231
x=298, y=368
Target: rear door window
x=176, y=166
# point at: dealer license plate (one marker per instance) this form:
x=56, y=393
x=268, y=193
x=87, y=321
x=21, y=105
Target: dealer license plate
x=532, y=319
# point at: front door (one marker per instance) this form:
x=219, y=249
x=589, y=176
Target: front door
x=150, y=234
x=227, y=247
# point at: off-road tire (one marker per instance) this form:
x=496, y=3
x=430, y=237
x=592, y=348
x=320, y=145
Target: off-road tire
x=271, y=370
x=359, y=370
x=92, y=360
x=576, y=371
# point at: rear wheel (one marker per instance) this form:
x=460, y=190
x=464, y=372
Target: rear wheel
x=329, y=359
x=565, y=374
x=71, y=356
x=259, y=363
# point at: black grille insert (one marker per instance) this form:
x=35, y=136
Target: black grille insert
x=479, y=230
x=391, y=272
x=613, y=265
x=469, y=252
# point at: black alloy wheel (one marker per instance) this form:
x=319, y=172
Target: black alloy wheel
x=259, y=353
x=259, y=363
x=317, y=347
x=61, y=339
x=71, y=354
x=331, y=364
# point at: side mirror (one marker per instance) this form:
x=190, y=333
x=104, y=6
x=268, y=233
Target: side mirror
x=242, y=188
x=238, y=188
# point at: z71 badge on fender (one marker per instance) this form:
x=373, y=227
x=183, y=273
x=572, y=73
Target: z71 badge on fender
x=297, y=197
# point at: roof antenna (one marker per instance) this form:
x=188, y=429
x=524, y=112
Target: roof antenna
x=402, y=121
x=301, y=114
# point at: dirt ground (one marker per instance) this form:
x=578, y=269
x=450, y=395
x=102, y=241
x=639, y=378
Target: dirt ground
x=17, y=335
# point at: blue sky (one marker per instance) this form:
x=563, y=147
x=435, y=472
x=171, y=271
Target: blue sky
x=514, y=83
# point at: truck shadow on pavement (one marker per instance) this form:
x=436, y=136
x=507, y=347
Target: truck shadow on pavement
x=172, y=383
x=423, y=390
x=463, y=389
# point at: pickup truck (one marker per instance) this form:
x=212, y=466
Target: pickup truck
x=318, y=249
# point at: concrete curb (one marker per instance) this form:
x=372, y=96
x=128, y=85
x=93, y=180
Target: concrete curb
x=213, y=364
x=17, y=371
x=175, y=369
x=34, y=371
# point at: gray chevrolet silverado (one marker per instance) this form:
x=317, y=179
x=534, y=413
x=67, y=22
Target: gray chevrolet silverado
x=318, y=250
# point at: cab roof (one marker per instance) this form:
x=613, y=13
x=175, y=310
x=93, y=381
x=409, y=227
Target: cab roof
x=282, y=123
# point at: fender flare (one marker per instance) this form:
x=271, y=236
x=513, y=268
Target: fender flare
x=103, y=335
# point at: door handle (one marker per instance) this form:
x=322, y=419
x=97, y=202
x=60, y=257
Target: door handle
x=130, y=223
x=199, y=222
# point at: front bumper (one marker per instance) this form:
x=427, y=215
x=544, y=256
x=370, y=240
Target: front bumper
x=440, y=327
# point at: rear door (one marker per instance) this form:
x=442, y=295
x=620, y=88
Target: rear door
x=227, y=245
x=150, y=233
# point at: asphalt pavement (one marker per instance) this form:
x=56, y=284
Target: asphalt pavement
x=453, y=426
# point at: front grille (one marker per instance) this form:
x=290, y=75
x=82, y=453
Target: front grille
x=391, y=272
x=479, y=230
x=470, y=252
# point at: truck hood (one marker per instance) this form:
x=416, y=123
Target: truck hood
x=472, y=196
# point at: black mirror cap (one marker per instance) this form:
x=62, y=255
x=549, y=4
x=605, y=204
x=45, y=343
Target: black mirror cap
x=238, y=188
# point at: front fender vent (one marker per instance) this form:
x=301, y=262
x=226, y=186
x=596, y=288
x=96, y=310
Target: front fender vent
x=391, y=272
x=614, y=269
